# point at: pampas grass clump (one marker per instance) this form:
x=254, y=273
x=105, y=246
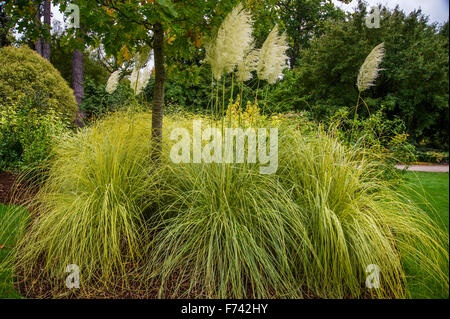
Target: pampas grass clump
x=224, y=230
x=90, y=210
x=355, y=219
x=224, y=234
x=311, y=230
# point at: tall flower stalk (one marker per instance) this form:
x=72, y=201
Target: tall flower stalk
x=113, y=81
x=229, y=47
x=368, y=73
x=139, y=79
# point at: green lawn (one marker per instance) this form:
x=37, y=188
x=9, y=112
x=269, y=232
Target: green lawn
x=11, y=230
x=430, y=191
x=431, y=187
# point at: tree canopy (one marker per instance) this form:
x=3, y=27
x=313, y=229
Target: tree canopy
x=413, y=84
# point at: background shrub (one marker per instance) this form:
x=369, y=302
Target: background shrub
x=61, y=58
x=431, y=156
x=413, y=85
x=191, y=90
x=376, y=133
x=26, y=134
x=97, y=102
x=25, y=74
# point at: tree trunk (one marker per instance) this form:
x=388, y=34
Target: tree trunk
x=158, y=93
x=77, y=83
x=38, y=46
x=42, y=46
x=297, y=42
x=47, y=21
x=37, y=21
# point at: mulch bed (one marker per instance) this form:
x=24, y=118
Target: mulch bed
x=14, y=190
x=6, y=186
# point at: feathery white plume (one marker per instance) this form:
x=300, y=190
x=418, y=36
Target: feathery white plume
x=272, y=58
x=232, y=42
x=143, y=80
x=247, y=65
x=139, y=79
x=369, y=70
x=134, y=78
x=113, y=81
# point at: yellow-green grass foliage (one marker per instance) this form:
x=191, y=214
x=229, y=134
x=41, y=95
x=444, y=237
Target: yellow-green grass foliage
x=225, y=230
x=355, y=219
x=90, y=210
x=311, y=230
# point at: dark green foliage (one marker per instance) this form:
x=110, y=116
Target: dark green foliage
x=26, y=135
x=5, y=26
x=287, y=95
x=190, y=89
x=97, y=102
x=431, y=156
x=61, y=59
x=375, y=133
x=303, y=20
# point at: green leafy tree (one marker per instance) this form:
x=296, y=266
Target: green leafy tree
x=26, y=16
x=5, y=26
x=304, y=20
x=414, y=82
x=61, y=58
x=173, y=29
